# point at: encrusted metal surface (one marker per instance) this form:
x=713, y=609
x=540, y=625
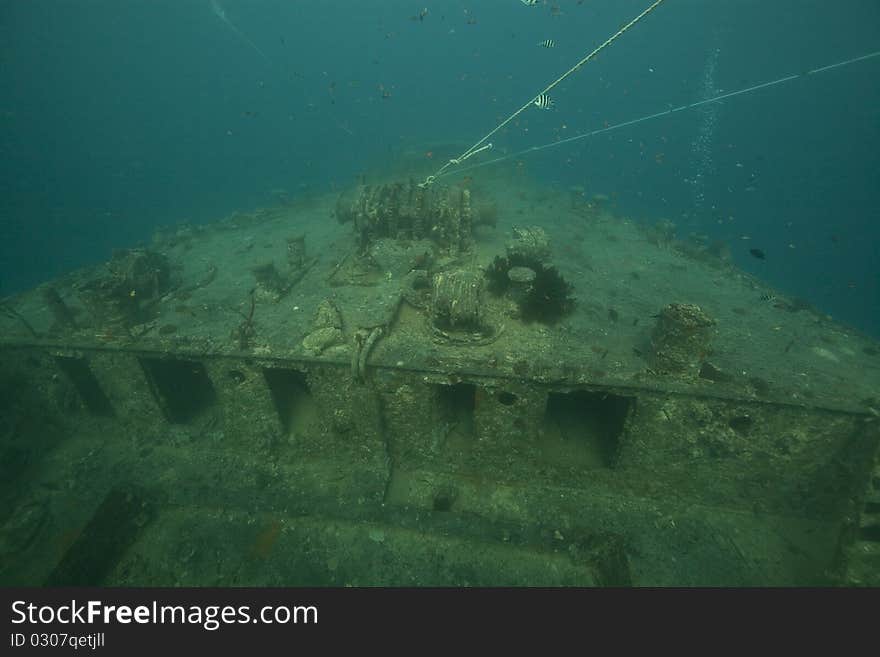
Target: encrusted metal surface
x=366, y=384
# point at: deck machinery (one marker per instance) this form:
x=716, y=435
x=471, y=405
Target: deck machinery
x=442, y=385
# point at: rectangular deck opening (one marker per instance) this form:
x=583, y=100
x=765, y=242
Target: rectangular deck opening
x=583, y=428
x=86, y=385
x=182, y=387
x=455, y=411
x=296, y=406
x=115, y=526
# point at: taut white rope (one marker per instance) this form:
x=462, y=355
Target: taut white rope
x=475, y=148
x=673, y=110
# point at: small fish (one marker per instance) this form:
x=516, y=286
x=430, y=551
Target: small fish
x=767, y=297
x=529, y=3
x=543, y=101
x=758, y=253
x=547, y=43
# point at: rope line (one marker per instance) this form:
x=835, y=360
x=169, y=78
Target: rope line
x=473, y=149
x=656, y=115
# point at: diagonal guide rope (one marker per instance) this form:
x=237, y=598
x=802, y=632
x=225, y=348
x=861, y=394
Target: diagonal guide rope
x=478, y=147
x=667, y=112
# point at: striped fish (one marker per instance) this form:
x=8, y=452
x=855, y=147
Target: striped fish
x=547, y=43
x=530, y=3
x=543, y=101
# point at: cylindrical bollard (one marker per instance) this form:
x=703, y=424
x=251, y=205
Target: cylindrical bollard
x=680, y=340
